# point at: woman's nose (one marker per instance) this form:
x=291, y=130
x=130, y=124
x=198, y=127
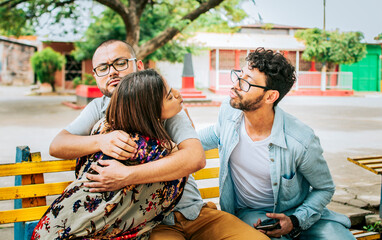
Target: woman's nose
x=176, y=93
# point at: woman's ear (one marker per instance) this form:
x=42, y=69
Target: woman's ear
x=272, y=96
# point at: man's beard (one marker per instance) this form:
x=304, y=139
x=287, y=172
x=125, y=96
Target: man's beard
x=246, y=105
x=106, y=92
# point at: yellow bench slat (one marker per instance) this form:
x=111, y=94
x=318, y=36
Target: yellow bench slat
x=33, y=190
x=366, y=158
x=22, y=215
x=26, y=168
x=364, y=235
x=213, y=153
x=206, y=173
x=376, y=171
x=374, y=165
x=372, y=161
x=211, y=192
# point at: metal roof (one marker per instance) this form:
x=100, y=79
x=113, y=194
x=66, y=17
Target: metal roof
x=244, y=41
x=274, y=26
x=22, y=42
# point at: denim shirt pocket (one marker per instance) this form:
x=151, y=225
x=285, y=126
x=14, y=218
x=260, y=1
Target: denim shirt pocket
x=289, y=186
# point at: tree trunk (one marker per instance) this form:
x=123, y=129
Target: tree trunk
x=169, y=33
x=52, y=85
x=331, y=68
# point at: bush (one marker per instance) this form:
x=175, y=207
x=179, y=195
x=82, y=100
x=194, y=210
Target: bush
x=87, y=79
x=45, y=63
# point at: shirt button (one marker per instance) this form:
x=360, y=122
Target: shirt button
x=275, y=184
x=272, y=160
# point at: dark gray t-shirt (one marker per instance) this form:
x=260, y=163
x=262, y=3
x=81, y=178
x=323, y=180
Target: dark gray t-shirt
x=178, y=127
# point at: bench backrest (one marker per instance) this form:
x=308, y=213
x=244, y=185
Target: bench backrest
x=30, y=195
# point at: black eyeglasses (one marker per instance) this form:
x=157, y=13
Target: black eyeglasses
x=244, y=84
x=118, y=64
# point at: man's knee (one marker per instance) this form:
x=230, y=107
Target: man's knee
x=325, y=229
x=165, y=232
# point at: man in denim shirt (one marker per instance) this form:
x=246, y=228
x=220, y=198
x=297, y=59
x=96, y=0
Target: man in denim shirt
x=271, y=163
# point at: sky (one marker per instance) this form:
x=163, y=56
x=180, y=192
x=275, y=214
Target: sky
x=345, y=15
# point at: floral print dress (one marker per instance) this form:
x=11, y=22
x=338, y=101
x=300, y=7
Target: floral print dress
x=129, y=213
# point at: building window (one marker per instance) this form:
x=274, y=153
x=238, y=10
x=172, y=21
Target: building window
x=73, y=68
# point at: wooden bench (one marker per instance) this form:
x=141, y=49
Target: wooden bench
x=374, y=165
x=30, y=191
x=364, y=235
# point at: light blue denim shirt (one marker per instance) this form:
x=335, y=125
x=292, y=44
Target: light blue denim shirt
x=301, y=180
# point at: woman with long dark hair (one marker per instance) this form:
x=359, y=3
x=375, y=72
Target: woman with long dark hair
x=139, y=106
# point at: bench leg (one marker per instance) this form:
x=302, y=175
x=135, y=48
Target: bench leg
x=22, y=155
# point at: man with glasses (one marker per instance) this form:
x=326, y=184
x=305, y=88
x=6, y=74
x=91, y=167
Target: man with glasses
x=191, y=219
x=271, y=163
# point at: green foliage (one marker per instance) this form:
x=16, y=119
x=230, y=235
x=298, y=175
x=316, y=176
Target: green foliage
x=379, y=37
x=216, y=20
x=22, y=17
x=156, y=18
x=45, y=63
x=267, y=26
x=19, y=25
x=332, y=47
x=87, y=79
x=376, y=227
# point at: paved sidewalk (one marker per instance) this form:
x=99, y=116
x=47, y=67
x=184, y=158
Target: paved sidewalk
x=347, y=126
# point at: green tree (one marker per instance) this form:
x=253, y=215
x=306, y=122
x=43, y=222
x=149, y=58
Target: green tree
x=45, y=63
x=331, y=47
x=155, y=19
x=379, y=37
x=180, y=13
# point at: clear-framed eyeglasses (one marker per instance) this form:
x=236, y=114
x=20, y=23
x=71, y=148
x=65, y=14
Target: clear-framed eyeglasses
x=244, y=84
x=118, y=64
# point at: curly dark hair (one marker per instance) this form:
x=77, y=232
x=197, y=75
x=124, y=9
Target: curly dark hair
x=279, y=72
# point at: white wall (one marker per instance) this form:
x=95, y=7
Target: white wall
x=201, y=69
x=172, y=72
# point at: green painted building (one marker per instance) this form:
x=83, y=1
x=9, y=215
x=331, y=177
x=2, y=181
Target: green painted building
x=367, y=72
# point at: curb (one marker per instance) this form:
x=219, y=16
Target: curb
x=202, y=104
x=190, y=104
x=73, y=105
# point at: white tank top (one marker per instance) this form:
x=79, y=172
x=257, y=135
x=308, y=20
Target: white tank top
x=250, y=164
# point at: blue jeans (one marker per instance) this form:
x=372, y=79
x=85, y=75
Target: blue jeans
x=322, y=229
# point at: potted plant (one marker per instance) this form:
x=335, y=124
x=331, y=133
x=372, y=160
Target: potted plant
x=86, y=89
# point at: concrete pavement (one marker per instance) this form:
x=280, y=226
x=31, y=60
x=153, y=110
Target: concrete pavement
x=347, y=126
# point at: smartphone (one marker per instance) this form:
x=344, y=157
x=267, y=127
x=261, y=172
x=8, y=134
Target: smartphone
x=269, y=224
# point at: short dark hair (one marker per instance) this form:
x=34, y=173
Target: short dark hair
x=136, y=106
x=279, y=72
x=111, y=41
